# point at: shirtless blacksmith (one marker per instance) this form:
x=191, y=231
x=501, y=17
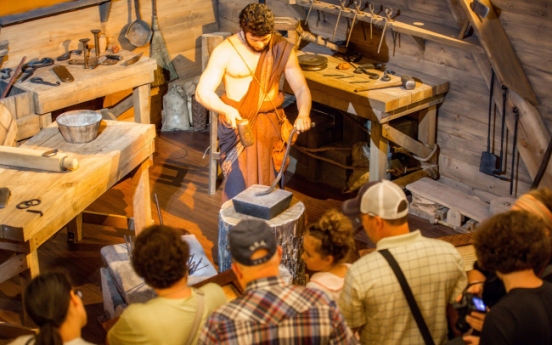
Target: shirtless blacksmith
x=250, y=63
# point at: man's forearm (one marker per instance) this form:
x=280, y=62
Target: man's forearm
x=304, y=102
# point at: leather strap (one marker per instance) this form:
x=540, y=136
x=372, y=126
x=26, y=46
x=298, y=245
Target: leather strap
x=409, y=296
x=197, y=317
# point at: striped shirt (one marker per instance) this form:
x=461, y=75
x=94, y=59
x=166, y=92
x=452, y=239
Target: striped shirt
x=270, y=312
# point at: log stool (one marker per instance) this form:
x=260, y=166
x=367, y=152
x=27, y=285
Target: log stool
x=288, y=227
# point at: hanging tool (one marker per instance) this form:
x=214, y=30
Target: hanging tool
x=489, y=160
x=38, y=80
x=502, y=161
x=371, y=7
x=165, y=71
x=388, y=13
x=337, y=21
x=383, y=32
x=514, y=148
x=308, y=14
x=357, y=11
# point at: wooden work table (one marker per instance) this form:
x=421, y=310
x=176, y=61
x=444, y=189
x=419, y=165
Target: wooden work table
x=94, y=83
x=380, y=106
x=120, y=148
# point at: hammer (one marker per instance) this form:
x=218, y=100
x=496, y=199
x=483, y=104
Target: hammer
x=407, y=82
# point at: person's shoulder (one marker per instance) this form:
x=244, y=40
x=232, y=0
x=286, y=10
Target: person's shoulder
x=212, y=288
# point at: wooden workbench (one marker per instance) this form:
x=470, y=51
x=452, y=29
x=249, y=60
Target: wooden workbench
x=120, y=148
x=380, y=106
x=94, y=83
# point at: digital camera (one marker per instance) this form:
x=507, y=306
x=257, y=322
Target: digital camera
x=469, y=303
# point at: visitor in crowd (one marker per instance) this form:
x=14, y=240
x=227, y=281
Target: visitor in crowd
x=512, y=245
x=269, y=311
x=327, y=245
x=486, y=283
x=56, y=308
x=372, y=299
x=175, y=316
x=538, y=202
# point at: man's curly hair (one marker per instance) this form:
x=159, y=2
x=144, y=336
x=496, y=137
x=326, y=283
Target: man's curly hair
x=257, y=19
x=513, y=241
x=160, y=256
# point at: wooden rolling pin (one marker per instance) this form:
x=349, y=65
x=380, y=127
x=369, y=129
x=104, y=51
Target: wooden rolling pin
x=34, y=159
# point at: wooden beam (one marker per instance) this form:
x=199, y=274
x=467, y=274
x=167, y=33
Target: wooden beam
x=405, y=141
x=12, y=267
x=48, y=11
x=498, y=48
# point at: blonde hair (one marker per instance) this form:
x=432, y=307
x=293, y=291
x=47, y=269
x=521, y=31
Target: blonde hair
x=335, y=232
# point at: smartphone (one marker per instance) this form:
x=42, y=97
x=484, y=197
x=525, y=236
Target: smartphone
x=479, y=304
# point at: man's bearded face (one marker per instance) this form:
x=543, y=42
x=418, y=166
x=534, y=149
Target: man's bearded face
x=257, y=43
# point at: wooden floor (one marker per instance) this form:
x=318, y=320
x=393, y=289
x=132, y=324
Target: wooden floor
x=179, y=178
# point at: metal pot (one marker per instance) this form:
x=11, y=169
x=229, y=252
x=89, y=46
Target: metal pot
x=138, y=32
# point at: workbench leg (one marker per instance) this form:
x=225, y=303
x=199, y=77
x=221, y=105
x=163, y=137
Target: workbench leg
x=427, y=127
x=214, y=154
x=74, y=229
x=378, y=152
x=141, y=200
x=141, y=99
x=32, y=262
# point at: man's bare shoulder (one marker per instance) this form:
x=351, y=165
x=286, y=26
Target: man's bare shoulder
x=225, y=47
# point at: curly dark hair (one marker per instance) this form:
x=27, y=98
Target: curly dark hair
x=335, y=232
x=257, y=19
x=160, y=256
x=512, y=241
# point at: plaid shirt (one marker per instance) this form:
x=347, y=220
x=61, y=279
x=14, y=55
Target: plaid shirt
x=269, y=312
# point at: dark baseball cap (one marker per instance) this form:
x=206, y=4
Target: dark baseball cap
x=247, y=237
x=379, y=198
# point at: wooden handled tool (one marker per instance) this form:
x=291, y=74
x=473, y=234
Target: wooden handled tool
x=34, y=159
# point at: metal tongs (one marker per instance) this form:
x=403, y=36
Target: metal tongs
x=282, y=168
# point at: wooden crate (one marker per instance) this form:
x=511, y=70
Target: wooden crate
x=20, y=104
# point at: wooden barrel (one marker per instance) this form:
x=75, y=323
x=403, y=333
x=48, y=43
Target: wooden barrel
x=288, y=227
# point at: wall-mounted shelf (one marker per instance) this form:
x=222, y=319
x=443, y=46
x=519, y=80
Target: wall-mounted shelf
x=418, y=33
x=105, y=8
